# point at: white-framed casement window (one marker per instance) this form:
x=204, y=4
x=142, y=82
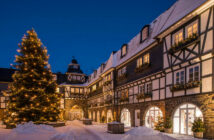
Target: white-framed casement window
x=78, y=78
x=123, y=50
x=67, y=91
x=192, y=29
x=148, y=88
x=178, y=37
x=146, y=58
x=77, y=90
x=141, y=89
x=179, y=77
x=193, y=74
x=139, y=62
x=2, y=102
x=94, y=87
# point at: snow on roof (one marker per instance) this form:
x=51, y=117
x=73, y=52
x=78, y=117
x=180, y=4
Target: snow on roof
x=176, y=12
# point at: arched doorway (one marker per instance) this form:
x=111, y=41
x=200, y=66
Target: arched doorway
x=98, y=116
x=103, y=117
x=76, y=113
x=109, y=116
x=152, y=116
x=89, y=114
x=125, y=117
x=94, y=115
x=183, y=118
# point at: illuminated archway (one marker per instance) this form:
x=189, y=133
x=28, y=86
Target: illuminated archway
x=183, y=118
x=152, y=116
x=98, y=116
x=125, y=117
x=75, y=113
x=109, y=116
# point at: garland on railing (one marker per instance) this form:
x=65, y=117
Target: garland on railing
x=144, y=95
x=122, y=77
x=142, y=67
x=190, y=84
x=108, y=101
x=182, y=44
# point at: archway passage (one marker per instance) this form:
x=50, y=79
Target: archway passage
x=152, y=116
x=109, y=116
x=183, y=118
x=125, y=117
x=76, y=113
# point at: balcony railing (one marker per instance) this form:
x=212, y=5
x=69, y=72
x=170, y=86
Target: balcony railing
x=183, y=44
x=107, y=82
x=124, y=99
x=96, y=92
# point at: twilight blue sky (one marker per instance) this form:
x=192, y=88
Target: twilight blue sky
x=87, y=29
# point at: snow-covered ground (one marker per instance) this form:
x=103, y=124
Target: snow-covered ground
x=75, y=130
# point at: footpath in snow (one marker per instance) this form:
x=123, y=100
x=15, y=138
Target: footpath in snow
x=75, y=130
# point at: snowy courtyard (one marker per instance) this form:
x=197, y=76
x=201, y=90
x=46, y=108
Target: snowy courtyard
x=75, y=130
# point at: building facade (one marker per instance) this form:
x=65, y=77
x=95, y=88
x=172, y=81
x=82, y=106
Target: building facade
x=165, y=70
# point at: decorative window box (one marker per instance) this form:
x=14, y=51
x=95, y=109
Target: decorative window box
x=142, y=68
x=124, y=100
x=107, y=83
x=189, y=85
x=122, y=77
x=144, y=95
x=108, y=102
x=184, y=44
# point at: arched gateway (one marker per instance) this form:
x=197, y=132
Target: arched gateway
x=75, y=113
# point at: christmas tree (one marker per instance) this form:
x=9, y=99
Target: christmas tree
x=33, y=95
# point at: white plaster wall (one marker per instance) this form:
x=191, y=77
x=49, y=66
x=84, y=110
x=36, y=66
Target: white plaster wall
x=155, y=95
x=135, y=89
x=207, y=84
x=162, y=94
x=209, y=41
x=207, y=67
x=193, y=91
x=165, y=64
x=162, y=82
x=155, y=84
x=204, y=17
x=179, y=93
x=169, y=78
x=168, y=93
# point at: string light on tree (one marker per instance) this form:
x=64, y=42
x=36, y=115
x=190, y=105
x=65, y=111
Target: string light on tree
x=33, y=94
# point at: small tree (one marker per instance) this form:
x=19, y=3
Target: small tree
x=198, y=125
x=168, y=123
x=159, y=125
x=33, y=94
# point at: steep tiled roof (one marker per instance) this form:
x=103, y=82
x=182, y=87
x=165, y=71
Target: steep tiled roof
x=176, y=12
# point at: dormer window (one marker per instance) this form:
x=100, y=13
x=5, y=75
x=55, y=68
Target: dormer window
x=144, y=33
x=95, y=73
x=123, y=50
x=178, y=37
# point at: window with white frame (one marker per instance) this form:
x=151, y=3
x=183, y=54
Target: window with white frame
x=192, y=29
x=121, y=71
x=72, y=90
x=179, y=77
x=123, y=50
x=194, y=74
x=148, y=88
x=146, y=58
x=94, y=87
x=2, y=102
x=139, y=62
x=178, y=37
x=141, y=89
x=76, y=90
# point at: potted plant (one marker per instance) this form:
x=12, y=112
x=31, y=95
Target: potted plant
x=198, y=128
x=168, y=125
